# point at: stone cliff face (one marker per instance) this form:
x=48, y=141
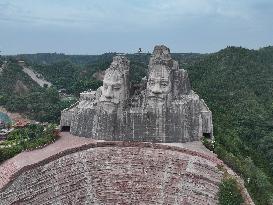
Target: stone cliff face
x=118, y=173
x=165, y=110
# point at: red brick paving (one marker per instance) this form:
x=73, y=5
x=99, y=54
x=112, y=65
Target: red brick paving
x=67, y=142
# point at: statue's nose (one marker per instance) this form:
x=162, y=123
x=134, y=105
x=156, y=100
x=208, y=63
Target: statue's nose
x=109, y=93
x=156, y=89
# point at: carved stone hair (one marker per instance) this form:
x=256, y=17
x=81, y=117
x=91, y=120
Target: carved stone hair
x=120, y=63
x=119, y=67
x=161, y=56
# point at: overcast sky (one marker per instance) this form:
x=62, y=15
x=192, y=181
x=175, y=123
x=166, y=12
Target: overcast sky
x=99, y=26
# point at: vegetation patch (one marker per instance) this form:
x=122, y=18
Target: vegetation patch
x=28, y=138
x=229, y=193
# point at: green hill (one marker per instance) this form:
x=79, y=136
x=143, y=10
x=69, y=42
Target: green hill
x=237, y=85
x=19, y=93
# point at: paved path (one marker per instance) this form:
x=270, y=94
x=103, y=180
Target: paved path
x=66, y=141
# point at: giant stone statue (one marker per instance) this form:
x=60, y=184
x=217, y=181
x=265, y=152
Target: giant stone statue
x=164, y=109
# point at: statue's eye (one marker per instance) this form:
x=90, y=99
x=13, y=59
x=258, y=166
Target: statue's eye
x=105, y=87
x=164, y=84
x=116, y=87
x=152, y=82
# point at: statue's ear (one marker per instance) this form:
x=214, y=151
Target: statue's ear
x=98, y=93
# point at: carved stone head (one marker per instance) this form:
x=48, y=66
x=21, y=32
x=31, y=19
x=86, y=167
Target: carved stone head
x=159, y=83
x=115, y=89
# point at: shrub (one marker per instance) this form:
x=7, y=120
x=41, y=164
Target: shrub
x=209, y=144
x=229, y=193
x=27, y=138
x=9, y=152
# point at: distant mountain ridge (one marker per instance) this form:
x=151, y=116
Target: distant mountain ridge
x=49, y=58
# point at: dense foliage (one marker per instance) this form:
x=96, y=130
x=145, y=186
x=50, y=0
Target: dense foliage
x=14, y=80
x=73, y=78
x=237, y=84
x=28, y=138
x=229, y=193
x=18, y=93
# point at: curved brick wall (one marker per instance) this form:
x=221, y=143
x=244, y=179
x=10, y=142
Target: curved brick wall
x=117, y=173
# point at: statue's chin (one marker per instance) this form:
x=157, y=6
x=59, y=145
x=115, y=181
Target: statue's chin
x=154, y=100
x=108, y=107
x=155, y=103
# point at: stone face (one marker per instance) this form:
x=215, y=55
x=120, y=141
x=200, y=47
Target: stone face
x=164, y=110
x=115, y=89
x=118, y=174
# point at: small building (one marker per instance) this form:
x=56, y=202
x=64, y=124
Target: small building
x=21, y=123
x=21, y=62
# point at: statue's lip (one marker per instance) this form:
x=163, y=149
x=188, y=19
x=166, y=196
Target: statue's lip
x=108, y=102
x=155, y=98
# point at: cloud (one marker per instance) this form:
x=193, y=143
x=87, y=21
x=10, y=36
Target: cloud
x=196, y=23
x=115, y=13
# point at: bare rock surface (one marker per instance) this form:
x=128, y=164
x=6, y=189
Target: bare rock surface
x=164, y=109
x=36, y=77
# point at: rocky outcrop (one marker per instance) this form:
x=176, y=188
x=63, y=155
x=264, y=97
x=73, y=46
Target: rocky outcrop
x=165, y=109
x=35, y=77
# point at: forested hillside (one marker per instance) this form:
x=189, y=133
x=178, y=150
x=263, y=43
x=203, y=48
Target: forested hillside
x=236, y=83
x=19, y=93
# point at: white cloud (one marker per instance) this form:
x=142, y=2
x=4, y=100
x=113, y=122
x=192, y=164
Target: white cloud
x=196, y=23
x=115, y=13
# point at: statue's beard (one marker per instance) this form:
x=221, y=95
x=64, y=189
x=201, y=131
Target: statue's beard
x=154, y=103
x=108, y=106
x=157, y=102
x=156, y=99
x=160, y=98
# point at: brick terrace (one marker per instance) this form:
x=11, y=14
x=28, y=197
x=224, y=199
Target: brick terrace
x=81, y=170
